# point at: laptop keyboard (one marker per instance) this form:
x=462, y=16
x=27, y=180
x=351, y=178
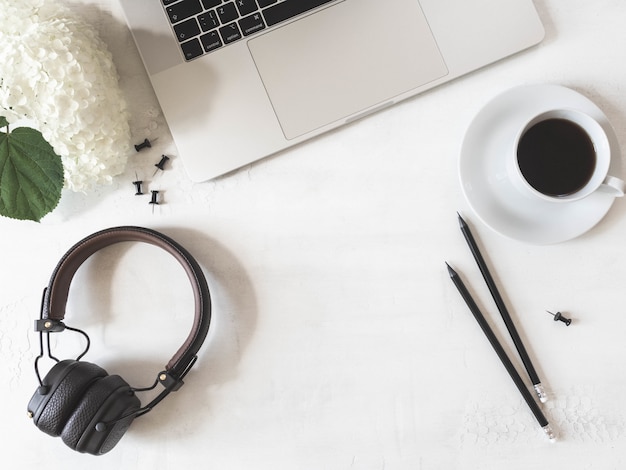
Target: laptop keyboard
x=203, y=26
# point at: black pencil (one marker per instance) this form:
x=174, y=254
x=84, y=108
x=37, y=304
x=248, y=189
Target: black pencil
x=534, y=407
x=508, y=321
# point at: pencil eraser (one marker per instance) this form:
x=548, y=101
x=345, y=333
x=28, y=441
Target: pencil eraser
x=550, y=433
x=541, y=393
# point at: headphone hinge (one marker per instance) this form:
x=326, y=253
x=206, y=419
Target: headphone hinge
x=171, y=383
x=47, y=325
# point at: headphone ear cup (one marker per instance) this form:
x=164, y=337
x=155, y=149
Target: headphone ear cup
x=95, y=426
x=63, y=388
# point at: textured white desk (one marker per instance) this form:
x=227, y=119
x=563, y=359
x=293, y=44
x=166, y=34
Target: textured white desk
x=338, y=340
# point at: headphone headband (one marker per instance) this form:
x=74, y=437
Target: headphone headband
x=56, y=294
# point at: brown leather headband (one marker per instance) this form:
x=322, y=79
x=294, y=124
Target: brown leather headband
x=56, y=294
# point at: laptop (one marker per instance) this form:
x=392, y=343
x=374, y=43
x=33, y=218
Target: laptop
x=239, y=80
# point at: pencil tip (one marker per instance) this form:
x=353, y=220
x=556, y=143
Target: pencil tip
x=451, y=271
x=461, y=221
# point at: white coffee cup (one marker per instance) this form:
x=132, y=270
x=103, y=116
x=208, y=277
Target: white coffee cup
x=562, y=155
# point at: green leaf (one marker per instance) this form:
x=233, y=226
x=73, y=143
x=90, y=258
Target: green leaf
x=31, y=175
x=3, y=122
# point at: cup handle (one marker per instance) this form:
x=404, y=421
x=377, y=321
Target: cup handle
x=613, y=185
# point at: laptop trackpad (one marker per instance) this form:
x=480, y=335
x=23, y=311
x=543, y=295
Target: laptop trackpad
x=343, y=60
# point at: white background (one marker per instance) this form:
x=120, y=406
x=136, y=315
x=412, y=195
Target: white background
x=338, y=340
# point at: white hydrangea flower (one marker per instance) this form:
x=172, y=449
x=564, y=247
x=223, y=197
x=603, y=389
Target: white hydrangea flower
x=57, y=75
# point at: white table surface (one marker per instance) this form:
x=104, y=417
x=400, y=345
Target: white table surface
x=338, y=340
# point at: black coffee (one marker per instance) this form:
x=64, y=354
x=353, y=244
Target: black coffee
x=556, y=157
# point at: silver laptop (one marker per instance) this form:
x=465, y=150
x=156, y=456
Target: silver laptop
x=239, y=80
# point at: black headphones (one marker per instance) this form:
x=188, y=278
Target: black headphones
x=78, y=400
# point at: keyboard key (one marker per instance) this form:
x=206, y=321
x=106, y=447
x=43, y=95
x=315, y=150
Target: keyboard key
x=246, y=7
x=265, y=3
x=251, y=24
x=227, y=13
x=208, y=20
x=211, y=41
x=211, y=3
x=183, y=10
x=230, y=33
x=288, y=9
x=192, y=49
x=167, y=2
x=187, y=29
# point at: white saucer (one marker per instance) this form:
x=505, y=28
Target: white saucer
x=485, y=182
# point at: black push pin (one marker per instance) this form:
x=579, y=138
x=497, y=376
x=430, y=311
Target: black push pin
x=145, y=144
x=154, y=199
x=161, y=164
x=558, y=317
x=138, y=184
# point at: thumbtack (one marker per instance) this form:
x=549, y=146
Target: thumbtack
x=161, y=164
x=138, y=184
x=144, y=144
x=558, y=317
x=155, y=197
